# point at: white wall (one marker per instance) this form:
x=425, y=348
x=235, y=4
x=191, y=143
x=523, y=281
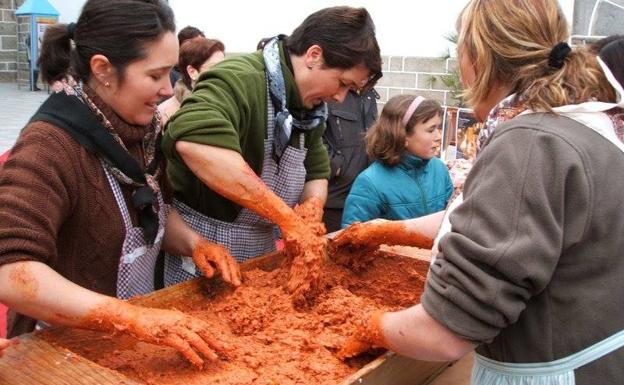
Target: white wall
x=407, y=28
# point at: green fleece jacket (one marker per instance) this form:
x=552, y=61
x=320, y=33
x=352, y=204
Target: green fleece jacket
x=228, y=109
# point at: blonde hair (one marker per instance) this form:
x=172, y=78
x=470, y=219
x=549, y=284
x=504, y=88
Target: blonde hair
x=385, y=140
x=509, y=42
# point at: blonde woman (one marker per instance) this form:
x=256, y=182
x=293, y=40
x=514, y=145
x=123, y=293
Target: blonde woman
x=530, y=273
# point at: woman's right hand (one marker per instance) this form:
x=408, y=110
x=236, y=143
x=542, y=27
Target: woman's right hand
x=187, y=334
x=306, y=249
x=366, y=235
x=372, y=234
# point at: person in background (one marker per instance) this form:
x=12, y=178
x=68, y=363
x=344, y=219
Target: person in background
x=347, y=123
x=246, y=146
x=185, y=34
x=406, y=180
x=530, y=271
x=196, y=56
x=83, y=193
x=33, y=63
x=611, y=52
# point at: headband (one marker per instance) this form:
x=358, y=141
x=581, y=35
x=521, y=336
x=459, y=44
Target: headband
x=410, y=110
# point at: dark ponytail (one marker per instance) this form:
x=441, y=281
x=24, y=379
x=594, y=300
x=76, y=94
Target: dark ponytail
x=53, y=61
x=117, y=29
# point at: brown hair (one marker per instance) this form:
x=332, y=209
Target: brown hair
x=510, y=41
x=188, y=32
x=346, y=35
x=385, y=140
x=117, y=29
x=195, y=52
x=611, y=51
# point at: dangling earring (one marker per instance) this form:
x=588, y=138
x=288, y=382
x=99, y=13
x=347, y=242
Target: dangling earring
x=106, y=84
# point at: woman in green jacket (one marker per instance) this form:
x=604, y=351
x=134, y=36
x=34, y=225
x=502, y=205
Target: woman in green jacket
x=247, y=145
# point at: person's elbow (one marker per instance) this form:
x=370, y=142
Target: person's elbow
x=184, y=148
x=455, y=348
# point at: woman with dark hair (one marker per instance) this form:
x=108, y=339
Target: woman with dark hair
x=406, y=180
x=247, y=146
x=529, y=271
x=611, y=53
x=196, y=56
x=83, y=210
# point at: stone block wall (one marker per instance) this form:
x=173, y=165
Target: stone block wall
x=416, y=75
x=8, y=40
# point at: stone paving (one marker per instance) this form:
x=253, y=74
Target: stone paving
x=16, y=107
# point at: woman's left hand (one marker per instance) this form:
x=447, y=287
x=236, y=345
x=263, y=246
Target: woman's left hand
x=368, y=336
x=311, y=211
x=209, y=256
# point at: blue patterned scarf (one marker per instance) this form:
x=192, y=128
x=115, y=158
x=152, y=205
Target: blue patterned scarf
x=284, y=120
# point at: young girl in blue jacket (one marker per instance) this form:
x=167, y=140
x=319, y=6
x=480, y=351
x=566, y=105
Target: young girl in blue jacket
x=406, y=179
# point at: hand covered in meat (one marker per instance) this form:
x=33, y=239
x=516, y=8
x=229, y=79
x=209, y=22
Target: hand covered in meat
x=189, y=335
x=311, y=211
x=369, y=335
x=209, y=256
x=306, y=251
x=356, y=244
x=4, y=344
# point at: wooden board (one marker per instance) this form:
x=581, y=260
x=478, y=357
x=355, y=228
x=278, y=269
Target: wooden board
x=392, y=369
x=36, y=362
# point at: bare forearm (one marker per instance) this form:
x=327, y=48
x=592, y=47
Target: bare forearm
x=414, y=333
x=179, y=239
x=427, y=225
x=226, y=172
x=34, y=289
x=315, y=188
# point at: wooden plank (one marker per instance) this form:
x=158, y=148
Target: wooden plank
x=36, y=362
x=457, y=374
x=392, y=369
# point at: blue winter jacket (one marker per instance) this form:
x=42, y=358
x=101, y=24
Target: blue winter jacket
x=413, y=188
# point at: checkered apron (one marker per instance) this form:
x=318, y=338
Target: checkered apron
x=249, y=235
x=138, y=258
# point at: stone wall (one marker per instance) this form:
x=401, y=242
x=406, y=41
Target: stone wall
x=23, y=67
x=8, y=40
x=416, y=75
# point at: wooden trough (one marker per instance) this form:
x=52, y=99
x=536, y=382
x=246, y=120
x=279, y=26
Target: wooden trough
x=36, y=361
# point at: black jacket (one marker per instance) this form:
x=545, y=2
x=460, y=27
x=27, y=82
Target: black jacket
x=347, y=123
